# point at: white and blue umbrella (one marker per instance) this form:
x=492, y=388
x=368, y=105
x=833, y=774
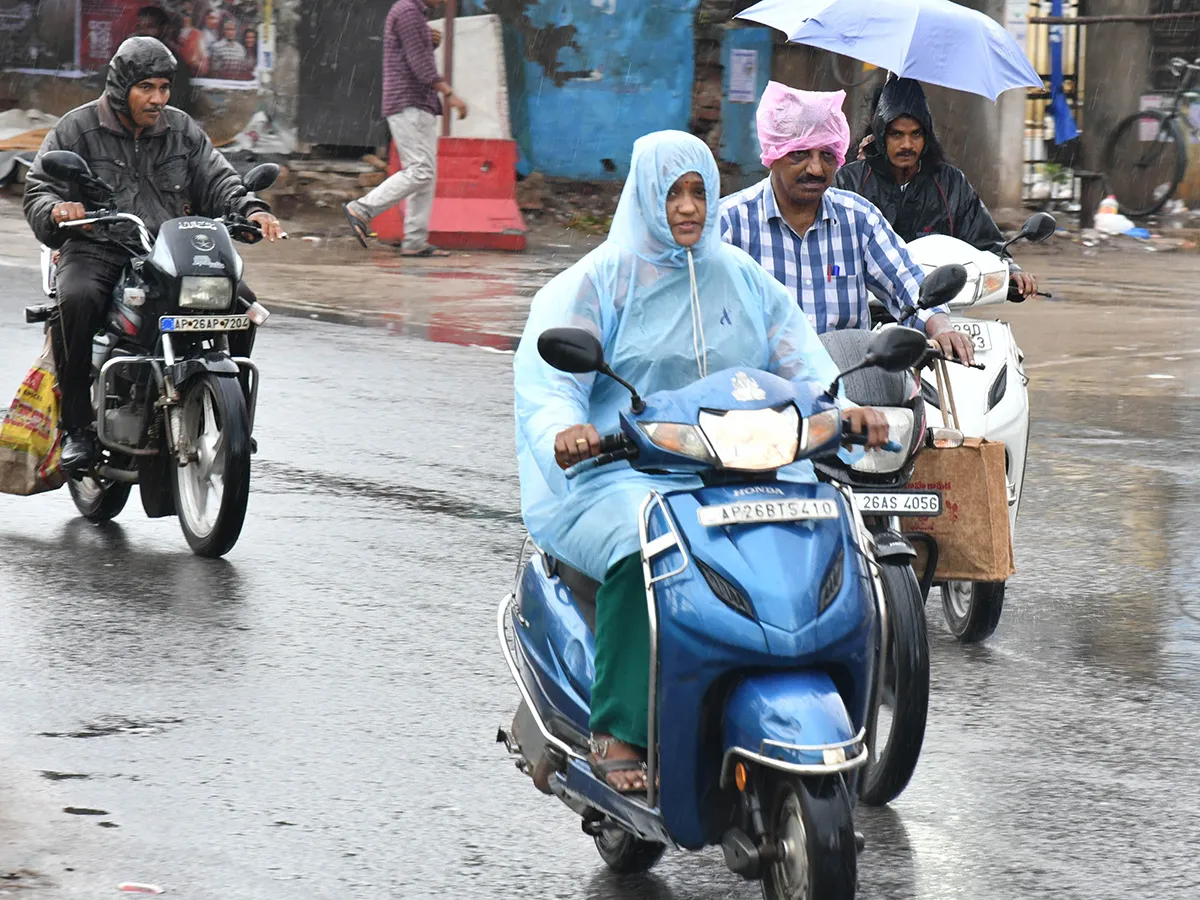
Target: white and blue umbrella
x=935, y=41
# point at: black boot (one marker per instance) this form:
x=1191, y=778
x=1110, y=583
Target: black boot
x=78, y=451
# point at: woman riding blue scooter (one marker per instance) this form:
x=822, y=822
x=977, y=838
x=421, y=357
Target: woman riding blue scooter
x=669, y=303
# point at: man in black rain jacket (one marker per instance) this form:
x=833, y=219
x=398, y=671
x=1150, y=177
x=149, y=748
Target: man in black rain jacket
x=161, y=166
x=902, y=170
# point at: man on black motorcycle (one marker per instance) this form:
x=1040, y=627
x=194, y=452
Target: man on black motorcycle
x=161, y=166
x=902, y=170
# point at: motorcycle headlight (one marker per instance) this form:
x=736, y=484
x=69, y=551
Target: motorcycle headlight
x=900, y=430
x=992, y=282
x=686, y=440
x=205, y=292
x=753, y=440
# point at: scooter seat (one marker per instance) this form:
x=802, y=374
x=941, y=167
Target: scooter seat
x=583, y=588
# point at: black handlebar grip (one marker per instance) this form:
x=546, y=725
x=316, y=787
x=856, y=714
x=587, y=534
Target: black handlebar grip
x=610, y=443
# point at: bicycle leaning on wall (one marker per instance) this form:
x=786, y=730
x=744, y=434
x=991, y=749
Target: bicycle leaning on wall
x=1147, y=156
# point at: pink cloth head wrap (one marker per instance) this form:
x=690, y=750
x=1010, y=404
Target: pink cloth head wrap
x=790, y=120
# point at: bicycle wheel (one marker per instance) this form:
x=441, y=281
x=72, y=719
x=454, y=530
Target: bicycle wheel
x=1144, y=161
x=848, y=72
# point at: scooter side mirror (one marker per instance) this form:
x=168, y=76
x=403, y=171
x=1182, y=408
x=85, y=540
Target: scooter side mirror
x=63, y=165
x=578, y=351
x=896, y=349
x=571, y=350
x=261, y=177
x=1038, y=228
x=893, y=350
x=942, y=285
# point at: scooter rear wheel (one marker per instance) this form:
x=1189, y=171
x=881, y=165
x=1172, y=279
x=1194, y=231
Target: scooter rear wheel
x=973, y=608
x=626, y=854
x=811, y=823
x=900, y=723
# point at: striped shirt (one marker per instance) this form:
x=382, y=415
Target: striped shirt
x=849, y=250
x=409, y=68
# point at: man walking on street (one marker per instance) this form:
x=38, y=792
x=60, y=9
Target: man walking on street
x=411, y=105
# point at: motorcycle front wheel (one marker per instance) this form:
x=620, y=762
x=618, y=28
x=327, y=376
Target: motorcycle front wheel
x=812, y=828
x=213, y=488
x=900, y=720
x=973, y=608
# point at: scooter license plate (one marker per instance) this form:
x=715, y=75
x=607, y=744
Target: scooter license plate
x=767, y=511
x=899, y=503
x=977, y=333
x=204, y=323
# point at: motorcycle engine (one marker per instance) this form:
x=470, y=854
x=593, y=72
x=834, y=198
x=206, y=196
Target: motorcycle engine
x=123, y=425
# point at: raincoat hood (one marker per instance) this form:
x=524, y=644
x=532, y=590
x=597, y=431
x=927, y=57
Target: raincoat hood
x=640, y=223
x=904, y=97
x=136, y=59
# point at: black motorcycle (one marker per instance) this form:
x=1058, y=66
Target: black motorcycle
x=174, y=410
x=878, y=479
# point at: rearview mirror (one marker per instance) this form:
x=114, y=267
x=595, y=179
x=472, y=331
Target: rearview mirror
x=571, y=350
x=261, y=177
x=577, y=351
x=1038, y=227
x=896, y=349
x=63, y=165
x=942, y=285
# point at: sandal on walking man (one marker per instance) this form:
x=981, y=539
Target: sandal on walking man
x=411, y=105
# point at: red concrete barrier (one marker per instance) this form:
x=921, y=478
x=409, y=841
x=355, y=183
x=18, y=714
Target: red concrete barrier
x=475, y=204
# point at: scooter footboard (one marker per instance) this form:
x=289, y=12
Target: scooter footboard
x=792, y=721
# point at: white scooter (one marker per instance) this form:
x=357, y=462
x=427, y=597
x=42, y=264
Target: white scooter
x=991, y=401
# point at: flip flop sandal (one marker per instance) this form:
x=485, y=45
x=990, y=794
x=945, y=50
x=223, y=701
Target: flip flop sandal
x=427, y=252
x=603, y=768
x=357, y=225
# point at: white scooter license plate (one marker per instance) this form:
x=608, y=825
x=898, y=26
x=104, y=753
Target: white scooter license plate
x=899, y=503
x=977, y=333
x=767, y=511
x=204, y=323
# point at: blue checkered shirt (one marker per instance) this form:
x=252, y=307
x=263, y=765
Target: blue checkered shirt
x=849, y=250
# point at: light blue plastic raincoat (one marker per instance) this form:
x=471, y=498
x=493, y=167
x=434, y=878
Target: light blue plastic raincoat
x=635, y=293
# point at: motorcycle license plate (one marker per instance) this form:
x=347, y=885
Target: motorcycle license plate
x=899, y=503
x=767, y=511
x=977, y=333
x=204, y=323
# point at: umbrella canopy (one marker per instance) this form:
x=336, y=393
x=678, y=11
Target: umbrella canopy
x=935, y=41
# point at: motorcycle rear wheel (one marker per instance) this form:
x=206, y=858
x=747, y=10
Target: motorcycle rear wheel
x=625, y=854
x=213, y=489
x=973, y=608
x=900, y=723
x=811, y=822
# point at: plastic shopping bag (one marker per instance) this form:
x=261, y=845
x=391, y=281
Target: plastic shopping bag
x=30, y=439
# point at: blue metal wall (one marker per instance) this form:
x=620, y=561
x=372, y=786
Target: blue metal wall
x=589, y=77
x=739, y=130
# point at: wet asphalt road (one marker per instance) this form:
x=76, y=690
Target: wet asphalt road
x=313, y=717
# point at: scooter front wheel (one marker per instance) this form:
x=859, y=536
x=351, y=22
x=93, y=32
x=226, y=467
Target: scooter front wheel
x=900, y=720
x=626, y=854
x=973, y=608
x=813, y=830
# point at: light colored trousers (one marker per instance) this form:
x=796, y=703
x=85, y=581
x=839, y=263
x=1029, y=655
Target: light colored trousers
x=415, y=133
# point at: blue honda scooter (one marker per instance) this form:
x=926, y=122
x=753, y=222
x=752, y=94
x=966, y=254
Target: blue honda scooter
x=765, y=611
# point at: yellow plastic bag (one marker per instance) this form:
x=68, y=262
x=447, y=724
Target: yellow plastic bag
x=30, y=439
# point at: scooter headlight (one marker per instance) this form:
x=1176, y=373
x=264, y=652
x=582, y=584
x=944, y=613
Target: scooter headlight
x=205, y=292
x=900, y=430
x=753, y=440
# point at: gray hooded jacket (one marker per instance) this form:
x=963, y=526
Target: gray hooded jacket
x=171, y=170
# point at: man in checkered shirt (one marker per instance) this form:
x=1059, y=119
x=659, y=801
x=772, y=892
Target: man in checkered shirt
x=827, y=247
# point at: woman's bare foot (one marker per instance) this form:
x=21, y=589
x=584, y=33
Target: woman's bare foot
x=618, y=763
